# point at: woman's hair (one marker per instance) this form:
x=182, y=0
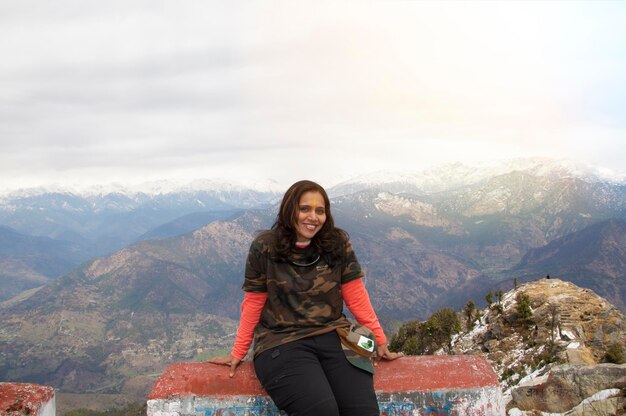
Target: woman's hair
x=330, y=241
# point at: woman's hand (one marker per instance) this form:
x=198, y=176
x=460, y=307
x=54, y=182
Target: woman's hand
x=227, y=360
x=383, y=352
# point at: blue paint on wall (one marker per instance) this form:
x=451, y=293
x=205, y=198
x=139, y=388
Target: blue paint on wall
x=259, y=406
x=239, y=411
x=403, y=408
x=423, y=404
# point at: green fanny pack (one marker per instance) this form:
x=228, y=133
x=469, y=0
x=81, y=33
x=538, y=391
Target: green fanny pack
x=359, y=346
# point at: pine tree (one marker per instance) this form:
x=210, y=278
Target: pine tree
x=489, y=299
x=469, y=313
x=523, y=306
x=498, y=307
x=499, y=295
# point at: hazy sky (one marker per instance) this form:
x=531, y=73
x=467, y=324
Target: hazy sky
x=101, y=91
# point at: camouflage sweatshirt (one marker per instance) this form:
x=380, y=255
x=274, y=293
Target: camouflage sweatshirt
x=302, y=301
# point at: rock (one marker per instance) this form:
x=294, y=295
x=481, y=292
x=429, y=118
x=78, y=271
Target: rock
x=605, y=402
x=492, y=345
x=566, y=386
x=568, y=335
x=496, y=357
x=580, y=332
x=579, y=356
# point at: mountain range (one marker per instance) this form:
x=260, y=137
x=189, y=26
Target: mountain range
x=175, y=294
x=87, y=225
x=105, y=222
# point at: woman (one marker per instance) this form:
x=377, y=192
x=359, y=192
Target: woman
x=298, y=274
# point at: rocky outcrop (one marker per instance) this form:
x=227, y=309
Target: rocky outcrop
x=574, y=318
x=568, y=325
x=558, y=354
x=567, y=386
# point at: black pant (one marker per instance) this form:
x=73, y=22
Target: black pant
x=312, y=376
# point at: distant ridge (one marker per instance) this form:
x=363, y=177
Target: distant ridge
x=28, y=261
x=104, y=223
x=594, y=257
x=188, y=223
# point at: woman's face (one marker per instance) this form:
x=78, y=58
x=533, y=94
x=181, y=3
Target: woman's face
x=311, y=215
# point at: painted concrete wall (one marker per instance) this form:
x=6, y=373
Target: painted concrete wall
x=485, y=402
x=17, y=399
x=48, y=408
x=431, y=385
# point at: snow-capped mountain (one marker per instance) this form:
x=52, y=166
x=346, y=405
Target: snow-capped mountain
x=152, y=188
x=457, y=175
x=425, y=181
x=108, y=217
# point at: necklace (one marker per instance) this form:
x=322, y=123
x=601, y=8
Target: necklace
x=311, y=263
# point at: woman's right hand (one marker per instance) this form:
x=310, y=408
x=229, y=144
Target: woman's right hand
x=227, y=360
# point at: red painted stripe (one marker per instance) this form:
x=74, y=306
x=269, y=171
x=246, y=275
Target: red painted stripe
x=438, y=372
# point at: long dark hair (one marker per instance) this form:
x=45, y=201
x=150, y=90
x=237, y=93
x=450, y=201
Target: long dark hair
x=329, y=241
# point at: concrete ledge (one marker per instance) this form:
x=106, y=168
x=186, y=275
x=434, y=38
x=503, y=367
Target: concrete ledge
x=422, y=385
x=20, y=399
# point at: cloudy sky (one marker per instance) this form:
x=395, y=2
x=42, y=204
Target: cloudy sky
x=128, y=91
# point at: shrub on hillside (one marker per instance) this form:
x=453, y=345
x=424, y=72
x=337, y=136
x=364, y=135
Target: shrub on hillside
x=417, y=338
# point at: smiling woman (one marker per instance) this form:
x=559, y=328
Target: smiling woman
x=311, y=217
x=298, y=275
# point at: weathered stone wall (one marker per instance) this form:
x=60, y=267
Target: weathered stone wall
x=427, y=385
x=18, y=399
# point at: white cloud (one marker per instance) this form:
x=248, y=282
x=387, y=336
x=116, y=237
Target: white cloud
x=129, y=89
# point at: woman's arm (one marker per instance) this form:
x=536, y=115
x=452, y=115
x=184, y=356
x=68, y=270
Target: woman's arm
x=251, y=308
x=358, y=301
